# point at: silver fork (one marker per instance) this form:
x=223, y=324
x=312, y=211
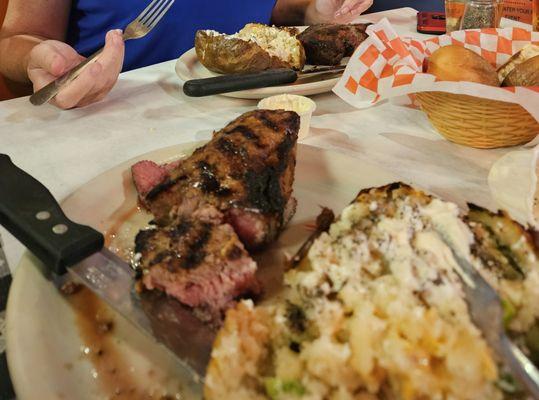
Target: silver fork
x=138, y=28
x=486, y=312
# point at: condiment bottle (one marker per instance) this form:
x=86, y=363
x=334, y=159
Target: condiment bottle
x=480, y=14
x=454, y=10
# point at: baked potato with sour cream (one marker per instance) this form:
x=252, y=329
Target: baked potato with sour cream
x=375, y=310
x=255, y=48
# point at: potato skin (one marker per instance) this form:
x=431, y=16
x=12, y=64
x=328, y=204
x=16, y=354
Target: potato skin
x=231, y=55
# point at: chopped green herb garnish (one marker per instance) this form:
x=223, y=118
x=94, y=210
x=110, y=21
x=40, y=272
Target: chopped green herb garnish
x=509, y=312
x=276, y=387
x=507, y=383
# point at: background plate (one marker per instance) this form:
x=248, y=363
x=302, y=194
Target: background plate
x=188, y=67
x=45, y=348
x=403, y=20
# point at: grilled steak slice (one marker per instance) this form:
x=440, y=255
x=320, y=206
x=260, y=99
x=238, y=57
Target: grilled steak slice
x=203, y=265
x=328, y=44
x=147, y=175
x=243, y=176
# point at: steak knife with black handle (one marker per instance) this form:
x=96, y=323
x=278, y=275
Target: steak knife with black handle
x=29, y=211
x=236, y=82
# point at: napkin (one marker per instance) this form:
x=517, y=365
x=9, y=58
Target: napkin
x=387, y=66
x=513, y=184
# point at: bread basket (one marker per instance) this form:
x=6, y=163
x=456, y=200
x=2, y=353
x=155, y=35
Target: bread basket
x=387, y=66
x=478, y=122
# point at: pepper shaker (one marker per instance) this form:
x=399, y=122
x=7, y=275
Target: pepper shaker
x=480, y=14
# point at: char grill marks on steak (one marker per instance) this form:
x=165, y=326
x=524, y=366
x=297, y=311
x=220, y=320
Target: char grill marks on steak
x=328, y=44
x=203, y=265
x=233, y=194
x=245, y=174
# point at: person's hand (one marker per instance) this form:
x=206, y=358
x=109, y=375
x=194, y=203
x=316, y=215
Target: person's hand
x=51, y=59
x=341, y=11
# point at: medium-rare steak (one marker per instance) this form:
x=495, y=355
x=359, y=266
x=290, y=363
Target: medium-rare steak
x=328, y=44
x=231, y=194
x=203, y=265
x=243, y=176
x=148, y=174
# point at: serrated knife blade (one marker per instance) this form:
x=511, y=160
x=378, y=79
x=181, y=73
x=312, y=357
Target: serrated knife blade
x=30, y=212
x=112, y=280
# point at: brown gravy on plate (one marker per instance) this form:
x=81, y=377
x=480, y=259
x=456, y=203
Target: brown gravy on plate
x=113, y=369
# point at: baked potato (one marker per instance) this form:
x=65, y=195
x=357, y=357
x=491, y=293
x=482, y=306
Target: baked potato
x=375, y=294
x=255, y=48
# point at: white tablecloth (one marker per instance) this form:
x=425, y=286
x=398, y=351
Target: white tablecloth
x=147, y=110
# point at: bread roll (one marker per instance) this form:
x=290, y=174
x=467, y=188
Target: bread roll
x=527, y=52
x=525, y=74
x=455, y=63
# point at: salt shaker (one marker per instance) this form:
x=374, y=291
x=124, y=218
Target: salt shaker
x=480, y=14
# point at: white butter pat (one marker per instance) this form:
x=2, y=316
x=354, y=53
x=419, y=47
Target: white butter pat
x=302, y=105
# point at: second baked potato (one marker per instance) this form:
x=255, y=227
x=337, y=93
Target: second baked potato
x=255, y=48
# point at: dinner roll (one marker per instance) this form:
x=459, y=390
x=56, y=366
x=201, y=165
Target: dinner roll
x=525, y=74
x=522, y=69
x=455, y=63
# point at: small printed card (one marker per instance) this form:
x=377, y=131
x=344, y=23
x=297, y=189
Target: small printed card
x=518, y=10
x=386, y=66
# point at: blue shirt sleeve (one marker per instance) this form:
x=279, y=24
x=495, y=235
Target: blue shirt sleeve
x=91, y=19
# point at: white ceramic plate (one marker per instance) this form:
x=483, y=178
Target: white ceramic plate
x=188, y=67
x=46, y=346
x=403, y=20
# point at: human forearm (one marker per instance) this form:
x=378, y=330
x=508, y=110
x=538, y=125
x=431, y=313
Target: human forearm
x=289, y=12
x=27, y=24
x=14, y=54
x=299, y=12
x=313, y=16
x=308, y=12
x=33, y=48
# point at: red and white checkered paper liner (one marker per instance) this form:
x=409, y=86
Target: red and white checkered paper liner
x=387, y=66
